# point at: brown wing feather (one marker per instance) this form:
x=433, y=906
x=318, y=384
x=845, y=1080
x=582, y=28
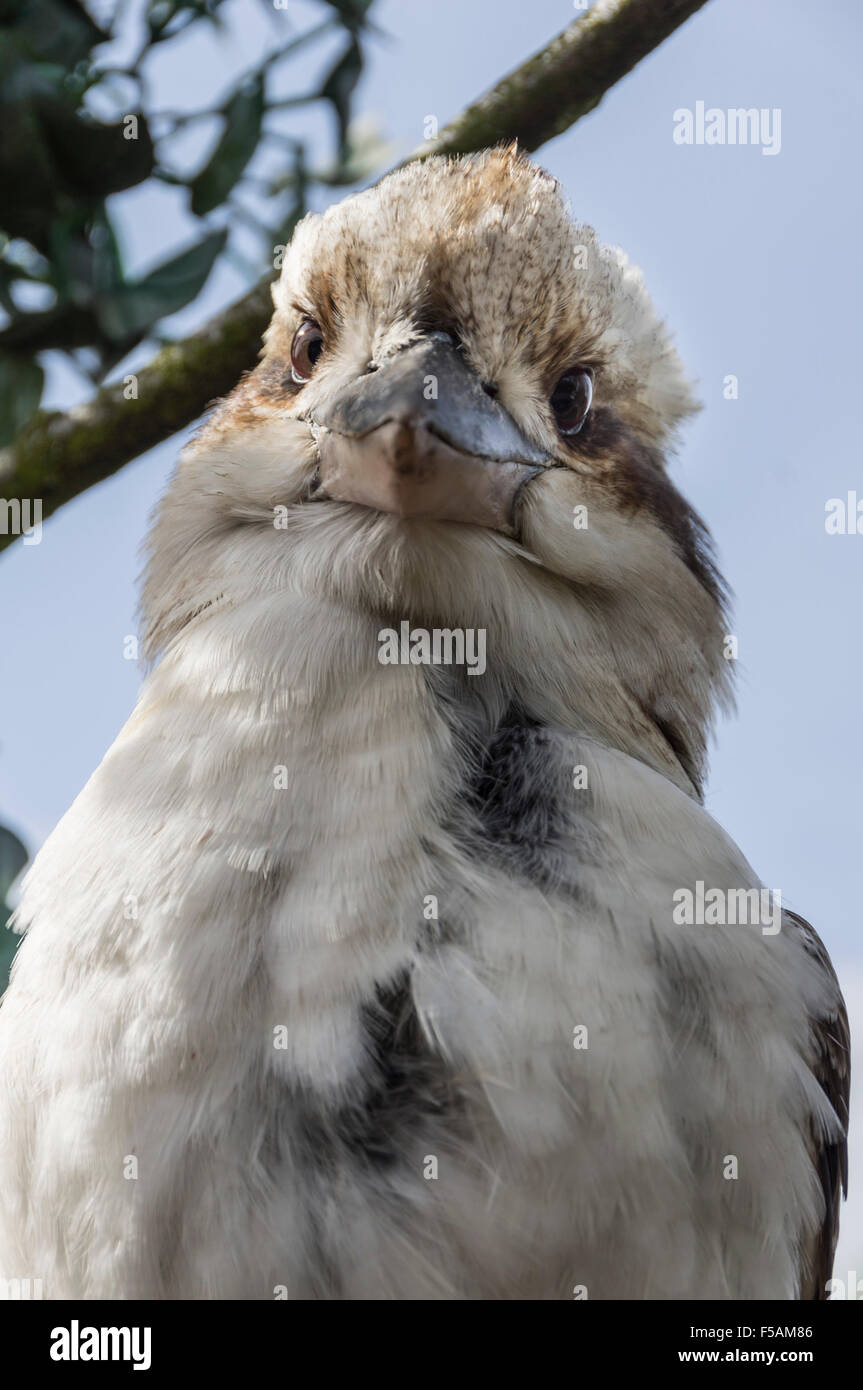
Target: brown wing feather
x=832, y=1067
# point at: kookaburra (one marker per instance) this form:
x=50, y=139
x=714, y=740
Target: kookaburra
x=362, y=969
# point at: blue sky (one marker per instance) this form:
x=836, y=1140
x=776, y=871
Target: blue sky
x=753, y=260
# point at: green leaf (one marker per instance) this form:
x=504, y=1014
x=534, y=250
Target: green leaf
x=131, y=310
x=84, y=258
x=106, y=267
x=352, y=13
x=160, y=14
x=13, y=857
x=59, y=30
x=243, y=116
x=93, y=157
x=9, y=943
x=63, y=326
x=338, y=87
x=21, y=380
x=26, y=164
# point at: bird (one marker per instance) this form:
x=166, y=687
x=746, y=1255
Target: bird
x=362, y=967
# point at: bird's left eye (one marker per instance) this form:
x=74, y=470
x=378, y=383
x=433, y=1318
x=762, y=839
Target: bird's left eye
x=306, y=348
x=570, y=400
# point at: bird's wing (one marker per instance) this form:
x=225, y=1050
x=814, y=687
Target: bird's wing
x=832, y=1068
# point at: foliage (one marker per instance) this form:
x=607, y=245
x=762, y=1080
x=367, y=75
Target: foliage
x=13, y=857
x=63, y=283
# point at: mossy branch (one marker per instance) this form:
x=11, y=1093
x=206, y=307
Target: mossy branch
x=59, y=455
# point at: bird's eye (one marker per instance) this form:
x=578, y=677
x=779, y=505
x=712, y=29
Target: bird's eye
x=306, y=348
x=570, y=400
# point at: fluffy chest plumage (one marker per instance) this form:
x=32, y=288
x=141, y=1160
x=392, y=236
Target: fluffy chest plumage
x=386, y=997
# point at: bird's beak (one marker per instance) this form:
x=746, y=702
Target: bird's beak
x=421, y=437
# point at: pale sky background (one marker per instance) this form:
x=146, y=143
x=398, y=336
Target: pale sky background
x=753, y=260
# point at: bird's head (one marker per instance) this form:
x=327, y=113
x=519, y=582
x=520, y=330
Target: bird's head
x=461, y=416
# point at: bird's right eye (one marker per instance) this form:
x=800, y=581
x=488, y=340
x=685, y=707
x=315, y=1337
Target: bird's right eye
x=306, y=348
x=571, y=400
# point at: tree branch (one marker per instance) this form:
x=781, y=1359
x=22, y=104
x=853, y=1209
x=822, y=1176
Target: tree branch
x=59, y=455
